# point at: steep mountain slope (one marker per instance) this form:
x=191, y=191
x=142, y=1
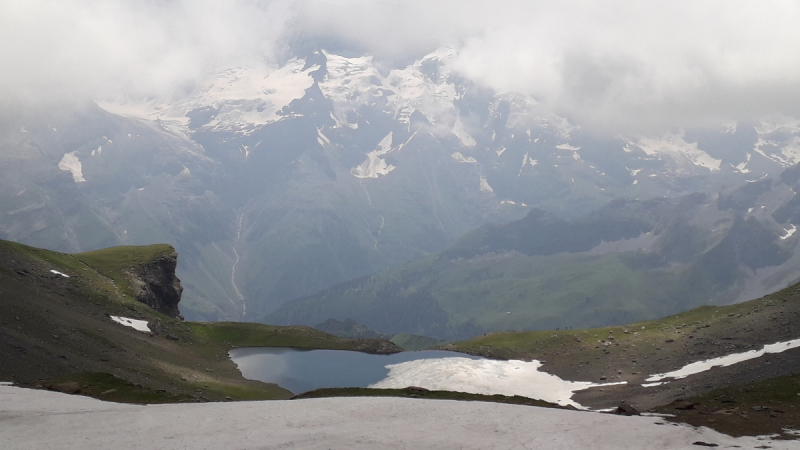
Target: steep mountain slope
x=275, y=182
x=630, y=260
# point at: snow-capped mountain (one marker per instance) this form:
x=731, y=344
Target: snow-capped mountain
x=277, y=181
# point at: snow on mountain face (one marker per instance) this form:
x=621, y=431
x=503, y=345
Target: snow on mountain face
x=246, y=98
x=677, y=148
x=236, y=99
x=422, y=86
x=375, y=165
x=461, y=133
x=460, y=158
x=350, y=80
x=71, y=163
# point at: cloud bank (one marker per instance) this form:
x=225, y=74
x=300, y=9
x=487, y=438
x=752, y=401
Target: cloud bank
x=151, y=47
x=614, y=65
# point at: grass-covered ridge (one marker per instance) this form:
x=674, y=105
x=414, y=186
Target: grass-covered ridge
x=242, y=334
x=633, y=352
x=723, y=320
x=114, y=261
x=57, y=333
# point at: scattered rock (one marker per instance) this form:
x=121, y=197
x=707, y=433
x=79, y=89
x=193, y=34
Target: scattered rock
x=625, y=409
x=686, y=407
x=704, y=444
x=156, y=285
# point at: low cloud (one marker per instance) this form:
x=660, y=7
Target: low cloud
x=621, y=66
x=145, y=47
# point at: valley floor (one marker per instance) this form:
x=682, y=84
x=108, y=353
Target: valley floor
x=36, y=419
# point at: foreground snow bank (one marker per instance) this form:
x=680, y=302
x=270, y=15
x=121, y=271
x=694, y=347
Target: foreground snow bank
x=31, y=419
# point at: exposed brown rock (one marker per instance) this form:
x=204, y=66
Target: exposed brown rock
x=156, y=285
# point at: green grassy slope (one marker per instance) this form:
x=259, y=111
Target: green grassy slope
x=539, y=273
x=510, y=291
x=56, y=333
x=111, y=262
x=632, y=352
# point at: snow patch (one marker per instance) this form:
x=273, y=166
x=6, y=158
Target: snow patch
x=484, y=376
x=71, y=163
x=460, y=158
x=461, y=133
x=742, y=167
x=375, y=165
x=789, y=154
x=526, y=161
x=674, y=146
x=139, y=325
x=789, y=233
x=485, y=185
x=59, y=273
x=322, y=139
x=508, y=202
x=724, y=361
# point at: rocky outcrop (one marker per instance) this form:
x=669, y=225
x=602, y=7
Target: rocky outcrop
x=377, y=346
x=156, y=285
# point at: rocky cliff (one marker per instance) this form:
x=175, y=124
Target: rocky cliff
x=155, y=284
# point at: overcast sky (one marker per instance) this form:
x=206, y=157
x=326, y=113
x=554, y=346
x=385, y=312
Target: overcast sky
x=635, y=65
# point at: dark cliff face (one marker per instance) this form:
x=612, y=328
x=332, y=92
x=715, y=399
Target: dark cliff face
x=156, y=285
